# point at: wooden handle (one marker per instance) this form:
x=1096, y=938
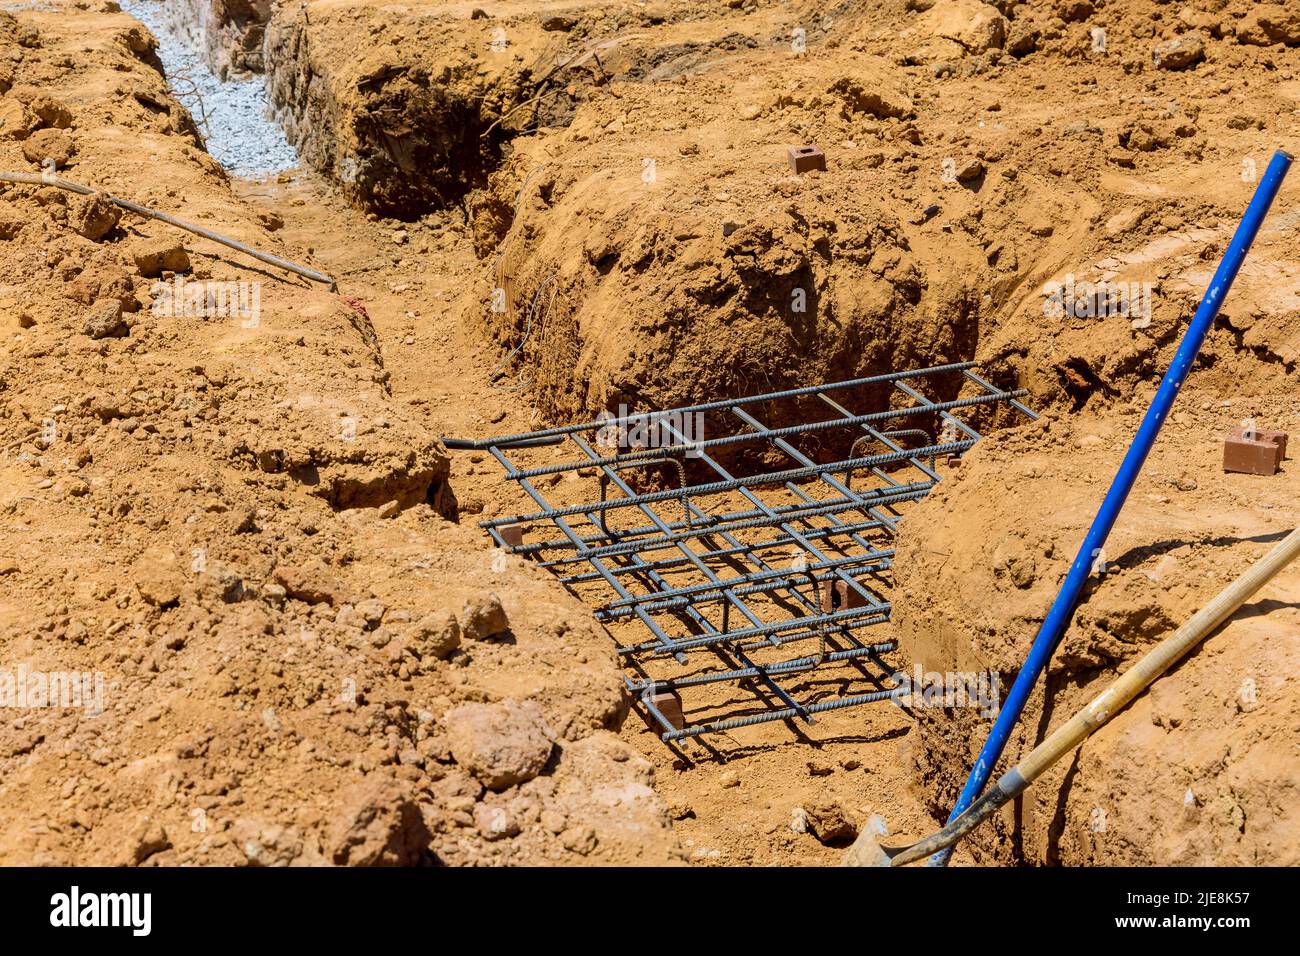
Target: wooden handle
x=1159, y=658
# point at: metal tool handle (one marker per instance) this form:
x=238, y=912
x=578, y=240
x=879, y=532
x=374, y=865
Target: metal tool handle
x=1110, y=701
x=1058, y=618
x=44, y=179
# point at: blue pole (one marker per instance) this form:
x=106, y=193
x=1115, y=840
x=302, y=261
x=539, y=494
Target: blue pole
x=1058, y=618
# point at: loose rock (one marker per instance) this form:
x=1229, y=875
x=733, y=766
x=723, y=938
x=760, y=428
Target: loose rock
x=975, y=26
x=305, y=582
x=501, y=744
x=53, y=144
x=831, y=824
x=483, y=618
x=104, y=320
x=436, y=634
x=970, y=171
x=378, y=825
x=1180, y=52
x=93, y=217
x=148, y=839
x=153, y=257
x=495, y=823
x=1269, y=23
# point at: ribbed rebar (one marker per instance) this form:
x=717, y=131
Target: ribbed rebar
x=641, y=418
x=879, y=612
x=787, y=431
x=785, y=667
x=785, y=714
x=829, y=551
x=734, y=484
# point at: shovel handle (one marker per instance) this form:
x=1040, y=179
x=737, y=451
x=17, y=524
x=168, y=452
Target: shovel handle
x=1110, y=701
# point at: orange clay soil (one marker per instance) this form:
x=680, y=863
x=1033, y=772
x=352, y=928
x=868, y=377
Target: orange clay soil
x=253, y=534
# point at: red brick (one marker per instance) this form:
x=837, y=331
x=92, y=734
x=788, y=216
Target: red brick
x=512, y=534
x=840, y=597
x=668, y=703
x=804, y=159
x=1251, y=456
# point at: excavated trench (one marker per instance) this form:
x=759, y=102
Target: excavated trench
x=406, y=141
x=404, y=133
x=230, y=108
x=603, y=300
x=800, y=295
x=392, y=155
x=211, y=53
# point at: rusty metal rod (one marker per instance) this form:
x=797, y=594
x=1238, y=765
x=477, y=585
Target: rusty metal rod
x=45, y=179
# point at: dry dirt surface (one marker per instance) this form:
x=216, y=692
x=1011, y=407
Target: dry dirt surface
x=246, y=528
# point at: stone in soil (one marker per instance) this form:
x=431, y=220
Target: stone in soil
x=501, y=744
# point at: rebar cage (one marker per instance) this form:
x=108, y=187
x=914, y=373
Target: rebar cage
x=792, y=557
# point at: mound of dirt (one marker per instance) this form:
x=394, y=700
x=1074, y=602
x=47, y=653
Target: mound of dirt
x=229, y=526
x=658, y=250
x=605, y=124
x=635, y=284
x=422, y=110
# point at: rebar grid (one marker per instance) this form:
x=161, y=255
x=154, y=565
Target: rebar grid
x=741, y=574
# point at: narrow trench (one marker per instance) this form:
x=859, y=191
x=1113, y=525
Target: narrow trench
x=242, y=130
x=233, y=114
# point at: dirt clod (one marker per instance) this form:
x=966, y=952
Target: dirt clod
x=501, y=744
x=377, y=825
x=104, y=320
x=483, y=618
x=153, y=257
x=149, y=838
x=1180, y=52
x=93, y=217
x=49, y=145
x=436, y=634
x=831, y=823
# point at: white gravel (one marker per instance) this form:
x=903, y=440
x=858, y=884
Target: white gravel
x=239, y=131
